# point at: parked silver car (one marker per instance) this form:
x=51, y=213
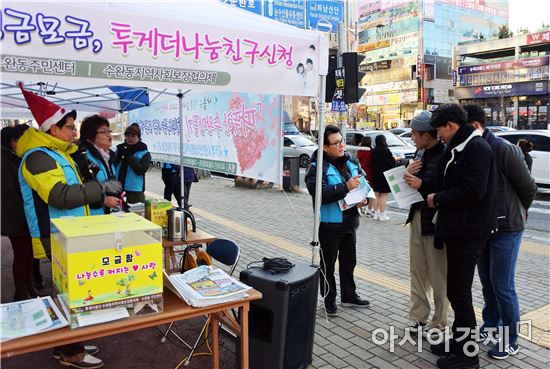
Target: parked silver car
x=299, y=146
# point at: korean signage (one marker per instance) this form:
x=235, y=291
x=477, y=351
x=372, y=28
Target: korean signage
x=370, y=67
x=254, y=6
x=324, y=15
x=67, y=43
x=506, y=89
x=289, y=12
x=538, y=38
x=338, y=103
x=232, y=133
x=490, y=67
x=373, y=46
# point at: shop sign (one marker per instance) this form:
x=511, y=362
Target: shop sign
x=369, y=7
x=490, y=67
x=506, y=89
x=371, y=67
x=538, y=38
x=373, y=46
x=478, y=7
x=392, y=86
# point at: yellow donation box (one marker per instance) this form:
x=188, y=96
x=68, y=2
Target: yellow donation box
x=107, y=262
x=155, y=211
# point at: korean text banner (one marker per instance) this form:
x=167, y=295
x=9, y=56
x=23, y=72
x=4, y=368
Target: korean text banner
x=232, y=133
x=200, y=45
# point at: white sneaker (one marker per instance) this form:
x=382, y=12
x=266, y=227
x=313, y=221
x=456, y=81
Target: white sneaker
x=376, y=216
x=370, y=213
x=383, y=217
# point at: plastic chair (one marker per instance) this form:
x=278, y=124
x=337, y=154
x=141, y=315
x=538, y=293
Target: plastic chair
x=223, y=251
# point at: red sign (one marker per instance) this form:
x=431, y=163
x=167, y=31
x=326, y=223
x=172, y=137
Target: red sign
x=538, y=38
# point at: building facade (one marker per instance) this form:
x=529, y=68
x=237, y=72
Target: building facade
x=509, y=78
x=409, y=47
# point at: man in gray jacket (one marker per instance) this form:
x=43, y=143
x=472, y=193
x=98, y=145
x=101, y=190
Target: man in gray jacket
x=515, y=191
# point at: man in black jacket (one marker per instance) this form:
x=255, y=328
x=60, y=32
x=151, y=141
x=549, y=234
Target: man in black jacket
x=428, y=263
x=515, y=192
x=466, y=217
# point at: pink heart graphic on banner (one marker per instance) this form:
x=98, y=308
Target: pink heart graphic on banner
x=135, y=267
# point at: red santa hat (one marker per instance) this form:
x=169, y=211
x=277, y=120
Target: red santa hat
x=45, y=112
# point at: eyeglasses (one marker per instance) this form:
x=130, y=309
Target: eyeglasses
x=105, y=131
x=341, y=142
x=130, y=135
x=71, y=127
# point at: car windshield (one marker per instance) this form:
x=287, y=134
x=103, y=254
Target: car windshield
x=391, y=139
x=302, y=141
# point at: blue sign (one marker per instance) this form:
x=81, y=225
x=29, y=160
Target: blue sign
x=287, y=11
x=338, y=105
x=254, y=6
x=324, y=15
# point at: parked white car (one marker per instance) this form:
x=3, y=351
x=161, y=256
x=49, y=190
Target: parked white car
x=402, y=152
x=540, y=154
x=299, y=146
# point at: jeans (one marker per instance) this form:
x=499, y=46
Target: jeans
x=497, y=269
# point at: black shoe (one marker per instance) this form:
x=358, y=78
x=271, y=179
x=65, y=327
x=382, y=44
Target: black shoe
x=331, y=309
x=356, y=302
x=444, y=348
x=90, y=350
x=458, y=360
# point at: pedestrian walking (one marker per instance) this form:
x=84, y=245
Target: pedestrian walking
x=364, y=154
x=382, y=160
x=171, y=176
x=466, y=217
x=133, y=160
x=341, y=174
x=515, y=191
x=428, y=259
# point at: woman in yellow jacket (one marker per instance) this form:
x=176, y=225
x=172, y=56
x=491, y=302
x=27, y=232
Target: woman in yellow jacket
x=51, y=187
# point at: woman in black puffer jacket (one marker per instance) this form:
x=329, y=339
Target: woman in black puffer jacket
x=14, y=223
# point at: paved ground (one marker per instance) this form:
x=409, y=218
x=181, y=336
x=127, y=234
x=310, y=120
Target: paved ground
x=271, y=223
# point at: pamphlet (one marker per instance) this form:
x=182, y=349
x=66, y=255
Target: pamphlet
x=24, y=318
x=404, y=194
x=101, y=316
x=205, y=286
x=357, y=195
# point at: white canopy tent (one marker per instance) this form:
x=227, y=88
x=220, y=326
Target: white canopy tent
x=77, y=49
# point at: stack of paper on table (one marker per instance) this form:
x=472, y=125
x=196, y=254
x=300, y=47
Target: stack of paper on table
x=205, y=286
x=23, y=318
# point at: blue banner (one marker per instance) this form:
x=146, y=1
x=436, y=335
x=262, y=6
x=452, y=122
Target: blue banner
x=287, y=11
x=503, y=89
x=254, y=6
x=325, y=15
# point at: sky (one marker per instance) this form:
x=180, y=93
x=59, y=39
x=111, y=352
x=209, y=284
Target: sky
x=528, y=13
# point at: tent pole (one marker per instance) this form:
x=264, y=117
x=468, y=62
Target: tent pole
x=315, y=257
x=182, y=175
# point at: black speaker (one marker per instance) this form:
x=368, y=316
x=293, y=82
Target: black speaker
x=282, y=323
